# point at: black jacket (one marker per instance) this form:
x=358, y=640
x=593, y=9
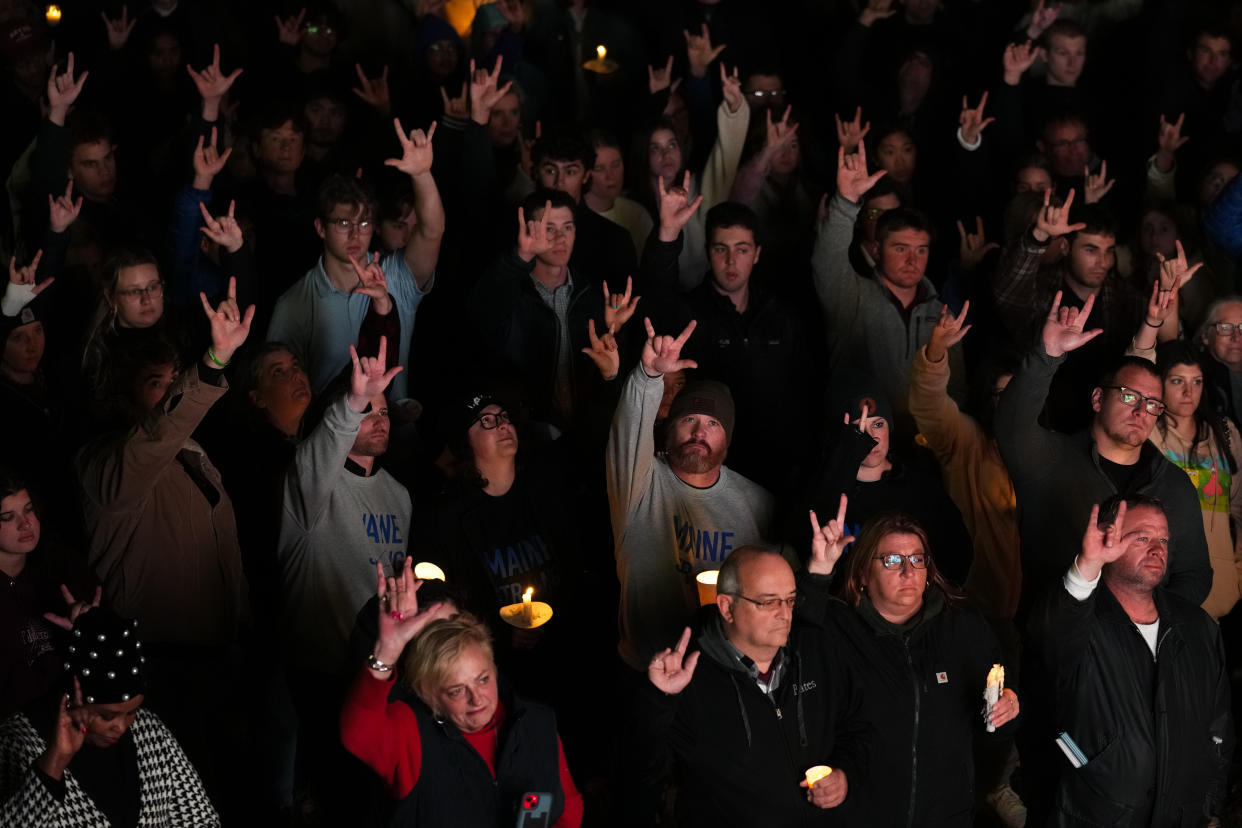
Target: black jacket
x=923, y=687
x=742, y=753
x=1158, y=735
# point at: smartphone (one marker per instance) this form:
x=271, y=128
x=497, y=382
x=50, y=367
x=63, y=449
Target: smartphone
x=535, y=811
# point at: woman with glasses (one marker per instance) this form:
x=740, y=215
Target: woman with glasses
x=1207, y=446
x=924, y=657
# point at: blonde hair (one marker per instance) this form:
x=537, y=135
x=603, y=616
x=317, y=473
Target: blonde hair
x=427, y=663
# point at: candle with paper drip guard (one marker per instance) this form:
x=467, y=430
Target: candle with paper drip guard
x=816, y=773
x=706, y=582
x=53, y=15
x=992, y=693
x=526, y=614
x=601, y=64
x=427, y=571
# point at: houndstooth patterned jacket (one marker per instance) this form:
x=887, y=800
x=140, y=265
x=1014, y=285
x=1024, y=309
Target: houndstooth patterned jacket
x=172, y=794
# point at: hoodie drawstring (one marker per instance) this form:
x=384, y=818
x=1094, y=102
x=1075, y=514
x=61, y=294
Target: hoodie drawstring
x=741, y=706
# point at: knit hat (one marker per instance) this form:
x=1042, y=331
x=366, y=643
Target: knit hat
x=19, y=39
x=706, y=397
x=105, y=656
x=876, y=402
x=460, y=416
x=30, y=313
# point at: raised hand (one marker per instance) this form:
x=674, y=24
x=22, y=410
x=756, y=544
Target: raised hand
x=828, y=792
x=876, y=10
x=229, y=326
x=671, y=670
x=63, y=210
x=1168, y=141
x=1063, y=330
x=533, y=238
x=76, y=608
x=1043, y=17
x=619, y=307
x=828, y=542
x=373, y=283
x=223, y=230
x=1052, y=221
x=118, y=30
x=675, y=207
x=603, y=351
x=72, y=720
x=62, y=91
x=972, y=122
x=514, y=13
x=852, y=178
x=289, y=29
x=949, y=331
x=731, y=85
x=1159, y=305
x=208, y=163
x=851, y=133
x=699, y=51
x=780, y=133
x=660, y=79
x=974, y=246
x=369, y=377
x=456, y=107
x=662, y=354
x=485, y=92
x=416, y=150
x=1017, y=59
x=865, y=418
x=1176, y=272
x=1101, y=544
x=374, y=91
x=1096, y=186
x=212, y=83
x=25, y=276
x=400, y=617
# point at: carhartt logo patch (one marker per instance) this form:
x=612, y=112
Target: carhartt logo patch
x=942, y=678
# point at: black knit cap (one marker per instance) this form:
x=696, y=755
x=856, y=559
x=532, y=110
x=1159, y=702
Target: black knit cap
x=875, y=400
x=105, y=655
x=460, y=416
x=31, y=312
x=707, y=397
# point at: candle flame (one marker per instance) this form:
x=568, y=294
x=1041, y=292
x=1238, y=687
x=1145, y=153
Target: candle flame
x=53, y=14
x=528, y=593
x=601, y=51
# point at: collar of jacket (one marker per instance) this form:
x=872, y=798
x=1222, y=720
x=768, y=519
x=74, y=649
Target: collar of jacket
x=1149, y=460
x=757, y=295
x=933, y=605
x=1111, y=612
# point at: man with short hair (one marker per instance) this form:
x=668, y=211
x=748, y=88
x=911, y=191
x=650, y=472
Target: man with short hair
x=679, y=513
x=875, y=323
x=1220, y=335
x=1138, y=679
x=320, y=315
x=761, y=701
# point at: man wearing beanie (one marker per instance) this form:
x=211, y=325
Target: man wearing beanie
x=679, y=513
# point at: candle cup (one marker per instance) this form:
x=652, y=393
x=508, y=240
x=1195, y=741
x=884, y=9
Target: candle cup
x=427, y=571
x=816, y=773
x=706, y=582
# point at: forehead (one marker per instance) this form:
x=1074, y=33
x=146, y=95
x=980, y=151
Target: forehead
x=1067, y=41
x=1138, y=380
x=14, y=501
x=509, y=103
x=764, y=82
x=733, y=235
x=606, y=155
x=1231, y=312
x=888, y=201
x=1213, y=43
x=277, y=358
x=900, y=543
x=908, y=236
x=562, y=163
x=557, y=215
x=1146, y=518
x=470, y=662
x=285, y=130
x=897, y=139
x=1095, y=240
x=663, y=136
x=1065, y=130
x=324, y=102
x=92, y=151
x=137, y=275
x=343, y=210
x=766, y=575
x=1184, y=370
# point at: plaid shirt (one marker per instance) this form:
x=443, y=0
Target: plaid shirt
x=558, y=300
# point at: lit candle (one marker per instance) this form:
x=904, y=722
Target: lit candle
x=815, y=774
x=601, y=51
x=528, y=609
x=53, y=15
x=991, y=693
x=427, y=571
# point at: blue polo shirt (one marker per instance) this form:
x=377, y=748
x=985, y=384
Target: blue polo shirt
x=319, y=322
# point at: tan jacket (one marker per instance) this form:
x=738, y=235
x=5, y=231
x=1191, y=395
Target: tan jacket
x=164, y=554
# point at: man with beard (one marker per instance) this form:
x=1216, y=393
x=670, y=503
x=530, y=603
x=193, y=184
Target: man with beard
x=676, y=514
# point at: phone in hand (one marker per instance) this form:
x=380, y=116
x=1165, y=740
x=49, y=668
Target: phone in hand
x=535, y=810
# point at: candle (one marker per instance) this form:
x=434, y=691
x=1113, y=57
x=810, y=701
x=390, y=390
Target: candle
x=992, y=692
x=528, y=610
x=53, y=15
x=707, y=586
x=816, y=773
x=427, y=571
x=601, y=51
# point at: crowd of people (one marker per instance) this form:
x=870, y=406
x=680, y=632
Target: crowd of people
x=620, y=412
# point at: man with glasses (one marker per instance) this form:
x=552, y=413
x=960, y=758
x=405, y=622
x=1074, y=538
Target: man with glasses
x=762, y=700
x=319, y=317
x=1057, y=477
x=1221, y=338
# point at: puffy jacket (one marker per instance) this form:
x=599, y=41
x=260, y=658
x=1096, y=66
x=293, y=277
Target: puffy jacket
x=1158, y=735
x=741, y=752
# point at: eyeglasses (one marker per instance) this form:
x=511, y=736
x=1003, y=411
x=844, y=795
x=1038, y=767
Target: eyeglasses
x=154, y=290
x=767, y=93
x=1131, y=398
x=1061, y=146
x=346, y=227
x=771, y=604
x=312, y=28
x=1227, y=328
x=489, y=421
x=894, y=561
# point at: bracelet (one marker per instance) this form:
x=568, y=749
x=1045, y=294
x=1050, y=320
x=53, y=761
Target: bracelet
x=1148, y=324
x=377, y=665
x=211, y=356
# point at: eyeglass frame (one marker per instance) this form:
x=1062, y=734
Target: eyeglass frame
x=1123, y=389
x=770, y=604
x=501, y=417
x=346, y=227
x=1234, y=328
x=153, y=290
x=886, y=560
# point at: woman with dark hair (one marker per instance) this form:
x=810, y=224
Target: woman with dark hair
x=924, y=657
x=99, y=758
x=1207, y=446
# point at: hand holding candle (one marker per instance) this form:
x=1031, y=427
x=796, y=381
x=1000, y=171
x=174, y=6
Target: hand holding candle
x=825, y=787
x=992, y=693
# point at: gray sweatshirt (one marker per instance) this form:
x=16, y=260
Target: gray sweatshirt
x=665, y=530
x=334, y=526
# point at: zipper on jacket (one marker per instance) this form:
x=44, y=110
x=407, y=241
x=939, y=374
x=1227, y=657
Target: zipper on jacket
x=914, y=741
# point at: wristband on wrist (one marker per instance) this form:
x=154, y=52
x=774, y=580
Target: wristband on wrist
x=377, y=665
x=212, y=356
x=1150, y=325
